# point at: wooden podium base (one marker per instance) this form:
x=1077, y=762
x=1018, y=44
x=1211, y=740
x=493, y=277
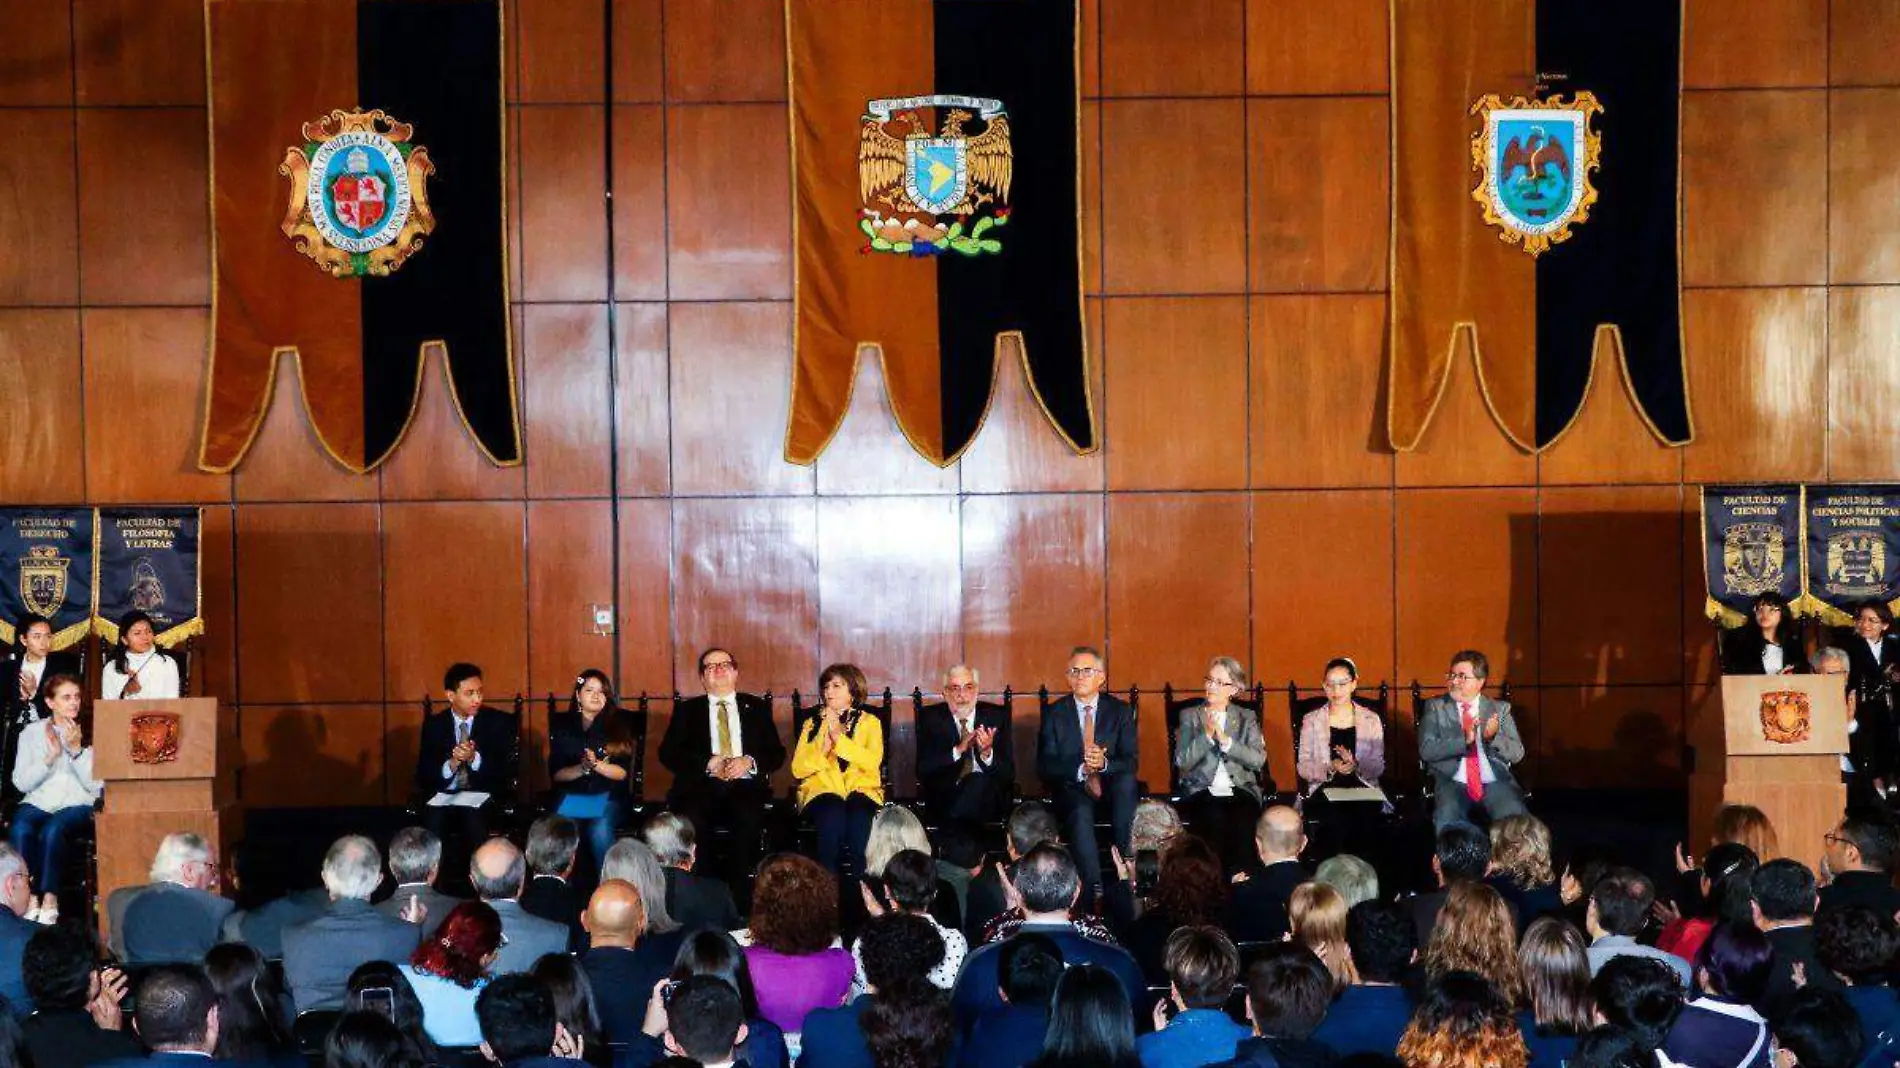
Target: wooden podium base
x=1802, y=795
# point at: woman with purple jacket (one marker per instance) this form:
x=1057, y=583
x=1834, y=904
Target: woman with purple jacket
x=1342, y=743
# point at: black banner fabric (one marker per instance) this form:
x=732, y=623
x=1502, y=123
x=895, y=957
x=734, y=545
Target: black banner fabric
x=1751, y=544
x=148, y=562
x=1852, y=550
x=46, y=569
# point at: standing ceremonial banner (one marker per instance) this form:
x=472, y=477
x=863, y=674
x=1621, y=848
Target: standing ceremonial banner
x=46, y=569
x=936, y=213
x=1853, y=550
x=148, y=562
x=1535, y=209
x=357, y=220
x=1751, y=544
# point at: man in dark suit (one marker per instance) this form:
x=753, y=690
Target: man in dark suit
x=705, y=1022
x=692, y=899
x=415, y=863
x=966, y=757
x=722, y=748
x=1860, y=853
x=16, y=896
x=76, y=1018
x=520, y=1028
x=1784, y=898
x=1469, y=742
x=1256, y=912
x=621, y=969
x=1086, y=754
x=176, y=1017
x=320, y=954
x=1030, y=825
x=470, y=749
x=1461, y=852
x=178, y=917
x=553, y=842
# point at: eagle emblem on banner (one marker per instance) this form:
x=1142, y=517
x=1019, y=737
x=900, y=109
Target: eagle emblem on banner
x=359, y=202
x=1534, y=159
x=928, y=192
x=1857, y=564
x=1754, y=557
x=43, y=580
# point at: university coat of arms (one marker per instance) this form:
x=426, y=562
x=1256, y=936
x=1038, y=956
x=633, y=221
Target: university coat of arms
x=929, y=192
x=1754, y=558
x=1534, y=159
x=43, y=580
x=359, y=201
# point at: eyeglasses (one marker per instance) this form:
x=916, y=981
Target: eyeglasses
x=1459, y=676
x=1212, y=681
x=1834, y=839
x=717, y=666
x=1084, y=672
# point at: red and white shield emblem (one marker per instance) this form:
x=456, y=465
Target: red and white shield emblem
x=360, y=200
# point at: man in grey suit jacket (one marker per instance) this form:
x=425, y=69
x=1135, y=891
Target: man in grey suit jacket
x=320, y=954
x=177, y=917
x=415, y=861
x=1463, y=730
x=498, y=871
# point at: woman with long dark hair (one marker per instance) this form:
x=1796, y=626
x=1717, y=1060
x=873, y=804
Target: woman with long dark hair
x=1724, y=897
x=1190, y=891
x=1554, y=965
x=449, y=969
x=52, y=769
x=253, y=1018
x=590, y=759
x=1768, y=644
x=839, y=765
x=574, y=1004
x=1718, y=1028
x=137, y=669
x=1091, y=1024
x=33, y=662
x=715, y=953
x=381, y=988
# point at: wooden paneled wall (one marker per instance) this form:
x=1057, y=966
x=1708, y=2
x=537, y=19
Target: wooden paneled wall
x=1243, y=502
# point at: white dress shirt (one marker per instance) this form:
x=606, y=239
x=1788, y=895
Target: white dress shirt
x=1485, y=773
x=1772, y=660
x=158, y=678
x=965, y=720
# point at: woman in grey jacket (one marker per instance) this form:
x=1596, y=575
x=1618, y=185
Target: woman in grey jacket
x=1221, y=760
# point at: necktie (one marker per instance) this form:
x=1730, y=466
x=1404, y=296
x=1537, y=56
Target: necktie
x=966, y=765
x=725, y=730
x=1474, y=771
x=1093, y=784
x=461, y=736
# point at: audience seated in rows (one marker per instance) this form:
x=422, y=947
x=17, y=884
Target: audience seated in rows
x=254, y=1018
x=1192, y=1027
x=908, y=885
x=498, y=872
x=1371, y=1014
x=262, y=910
x=320, y=954
x=792, y=945
x=1289, y=992
x=1010, y=1035
x=901, y=1017
x=1619, y=906
x=711, y=955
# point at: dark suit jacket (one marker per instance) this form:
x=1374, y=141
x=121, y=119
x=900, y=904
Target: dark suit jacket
x=169, y=923
x=1059, y=740
x=495, y=734
x=1366, y=1019
x=688, y=743
x=1793, y=945
x=623, y=980
x=262, y=928
x=937, y=735
x=176, y=1060
x=1741, y=650
x=700, y=901
x=1270, y=1052
x=977, y=990
x=320, y=954
x=14, y=935
x=1862, y=671
x=1257, y=910
x=1867, y=889
x=832, y=1038
x=553, y=898
x=69, y=1037
x=1009, y=1037
x=64, y=663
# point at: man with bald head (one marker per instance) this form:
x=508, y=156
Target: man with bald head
x=966, y=756
x=1257, y=910
x=621, y=968
x=498, y=871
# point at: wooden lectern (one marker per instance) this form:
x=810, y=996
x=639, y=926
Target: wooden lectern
x=168, y=766
x=1775, y=742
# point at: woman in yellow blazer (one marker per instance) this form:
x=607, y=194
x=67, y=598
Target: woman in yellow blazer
x=838, y=764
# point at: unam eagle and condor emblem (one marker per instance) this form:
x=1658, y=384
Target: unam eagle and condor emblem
x=1534, y=159
x=1785, y=717
x=927, y=192
x=359, y=202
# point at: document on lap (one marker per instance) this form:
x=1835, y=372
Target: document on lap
x=462, y=799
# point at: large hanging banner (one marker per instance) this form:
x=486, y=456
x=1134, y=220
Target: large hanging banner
x=936, y=214
x=1751, y=544
x=1853, y=550
x=149, y=562
x=1535, y=208
x=46, y=570
x=357, y=219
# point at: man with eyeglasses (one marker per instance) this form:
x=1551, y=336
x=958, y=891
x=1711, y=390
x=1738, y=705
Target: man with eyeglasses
x=966, y=760
x=722, y=748
x=1469, y=742
x=1086, y=755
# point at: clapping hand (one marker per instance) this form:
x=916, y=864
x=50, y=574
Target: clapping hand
x=985, y=740
x=104, y=1005
x=1012, y=899
x=1124, y=868
x=415, y=911
x=872, y=906
x=1344, y=762
x=27, y=688
x=463, y=753
x=1094, y=758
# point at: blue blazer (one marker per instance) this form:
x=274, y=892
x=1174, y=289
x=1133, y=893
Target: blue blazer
x=976, y=991
x=1010, y=1037
x=832, y=1038
x=14, y=934
x=1366, y=1019
x=1059, y=741
x=168, y=923
x=320, y=954
x=1195, y=1038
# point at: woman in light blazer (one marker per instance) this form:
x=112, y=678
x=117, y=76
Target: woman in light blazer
x=1342, y=742
x=1221, y=759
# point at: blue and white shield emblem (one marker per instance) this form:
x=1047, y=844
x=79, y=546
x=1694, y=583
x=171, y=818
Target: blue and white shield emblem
x=1534, y=160
x=936, y=173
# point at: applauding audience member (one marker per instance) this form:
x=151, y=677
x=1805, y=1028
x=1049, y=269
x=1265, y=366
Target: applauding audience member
x=574, y=1003
x=415, y=863
x=1192, y=1027
x=1723, y=896
x=1220, y=758
x=1370, y=1015
x=910, y=886
x=77, y=1022
x=1010, y=1036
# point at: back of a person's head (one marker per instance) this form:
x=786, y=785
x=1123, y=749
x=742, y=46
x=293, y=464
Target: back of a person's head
x=910, y=880
x=1202, y=963
x=1520, y=847
x=634, y=862
x=959, y=848
x=1730, y=869
x=1383, y=940
x=1046, y=879
x=1475, y=932
x=1783, y=890
x=1031, y=824
x=57, y=968
x=497, y=870
x=671, y=837
x=413, y=853
x=371, y=983
x=462, y=944
x=1090, y=1021
x=368, y=1040
x=1191, y=887
x=174, y=1007
x=1555, y=968
x=909, y=1029
x=573, y=992
x=1857, y=943
x=1609, y=1047
x=703, y=1018
x=1622, y=900
x=1747, y=825
x=251, y=1009
x=1463, y=852
x=1463, y=1020
x=716, y=953
x=1288, y=990
x=1872, y=832
x=893, y=830
x=1356, y=880
x=1638, y=995
x=1820, y=1029
x=517, y=1018
x=899, y=948
x=1734, y=962
x=552, y=843
x=352, y=868
x=1027, y=968
x=794, y=905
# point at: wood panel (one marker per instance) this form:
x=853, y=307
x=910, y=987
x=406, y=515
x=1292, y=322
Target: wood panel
x=1607, y=738
x=1314, y=194
x=1864, y=42
x=438, y=459
x=1863, y=382
x=1296, y=48
x=142, y=52
x=638, y=51
x=725, y=50
x=314, y=756
x=1469, y=582
x=563, y=204
x=215, y=672
x=889, y=588
x=1604, y=554
x=164, y=256
x=562, y=55
x=1755, y=207
x=1033, y=586
x=745, y=578
x=645, y=598
x=36, y=55
x=39, y=208
x=1174, y=219
x=1317, y=391
x=1322, y=584
x=1174, y=430
x=1757, y=367
x=1610, y=442
x=287, y=461
x=570, y=548
x=1162, y=48
x=1859, y=188
x=1019, y=449
x=869, y=454
x=476, y=612
x=1754, y=44
x=138, y=362
x=45, y=435
x=566, y=399
x=642, y=392
x=729, y=228
x=731, y=389
x=289, y=656
x=639, y=203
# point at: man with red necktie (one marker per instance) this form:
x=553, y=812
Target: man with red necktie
x=1469, y=742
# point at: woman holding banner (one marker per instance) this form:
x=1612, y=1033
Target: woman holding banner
x=1769, y=645
x=53, y=769
x=138, y=669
